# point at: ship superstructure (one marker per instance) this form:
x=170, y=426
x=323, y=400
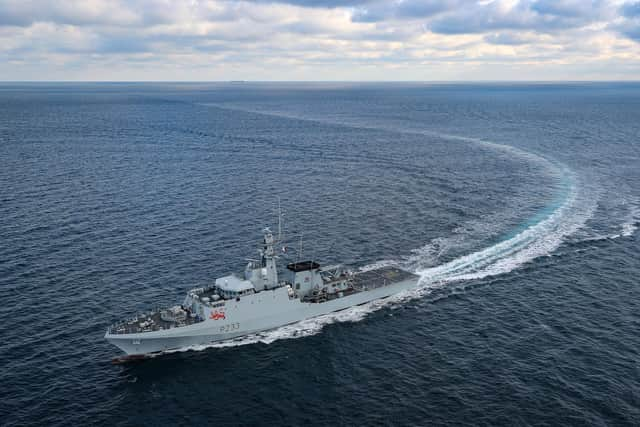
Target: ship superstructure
x=256, y=301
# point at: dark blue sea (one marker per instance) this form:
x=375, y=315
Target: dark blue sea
x=517, y=204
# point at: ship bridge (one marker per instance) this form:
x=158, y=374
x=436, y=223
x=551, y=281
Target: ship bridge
x=232, y=286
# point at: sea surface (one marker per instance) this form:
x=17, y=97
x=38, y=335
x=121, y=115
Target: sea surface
x=517, y=204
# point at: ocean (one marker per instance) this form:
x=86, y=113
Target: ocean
x=517, y=203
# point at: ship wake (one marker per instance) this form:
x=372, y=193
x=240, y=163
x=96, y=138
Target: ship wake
x=540, y=236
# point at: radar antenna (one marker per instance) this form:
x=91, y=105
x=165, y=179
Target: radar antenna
x=279, y=221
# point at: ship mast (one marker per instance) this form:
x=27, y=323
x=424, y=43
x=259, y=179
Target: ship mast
x=269, y=271
x=279, y=222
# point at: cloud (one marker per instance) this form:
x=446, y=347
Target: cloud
x=631, y=30
x=509, y=38
x=538, y=15
x=333, y=38
x=72, y=12
x=631, y=10
x=629, y=24
x=319, y=3
x=568, y=9
x=402, y=10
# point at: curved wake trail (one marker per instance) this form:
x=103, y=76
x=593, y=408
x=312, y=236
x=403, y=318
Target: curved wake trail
x=540, y=237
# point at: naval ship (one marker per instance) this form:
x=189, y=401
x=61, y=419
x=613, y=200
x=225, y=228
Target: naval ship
x=237, y=305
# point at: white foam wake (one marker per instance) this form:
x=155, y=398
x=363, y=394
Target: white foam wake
x=540, y=238
x=631, y=224
x=300, y=329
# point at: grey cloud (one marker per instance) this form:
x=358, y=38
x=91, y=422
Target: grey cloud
x=508, y=38
x=302, y=27
x=536, y=15
x=632, y=32
x=13, y=17
x=122, y=45
x=123, y=13
x=568, y=8
x=409, y=9
x=132, y=13
x=630, y=26
x=27, y=12
x=631, y=10
x=479, y=18
x=318, y=3
x=249, y=30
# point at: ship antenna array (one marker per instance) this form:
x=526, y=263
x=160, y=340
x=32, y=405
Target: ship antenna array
x=279, y=221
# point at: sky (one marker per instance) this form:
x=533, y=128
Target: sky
x=319, y=40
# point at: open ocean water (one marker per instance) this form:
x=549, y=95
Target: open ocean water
x=518, y=204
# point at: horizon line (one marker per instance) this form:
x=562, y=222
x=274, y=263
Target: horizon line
x=241, y=81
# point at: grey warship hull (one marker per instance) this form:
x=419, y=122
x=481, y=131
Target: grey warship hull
x=257, y=301
x=262, y=311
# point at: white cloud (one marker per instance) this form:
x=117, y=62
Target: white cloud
x=317, y=40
